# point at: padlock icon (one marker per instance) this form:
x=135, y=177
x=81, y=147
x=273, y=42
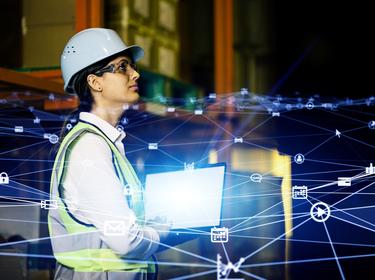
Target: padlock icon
x=4, y=179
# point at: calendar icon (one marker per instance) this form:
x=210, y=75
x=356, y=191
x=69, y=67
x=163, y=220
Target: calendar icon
x=219, y=235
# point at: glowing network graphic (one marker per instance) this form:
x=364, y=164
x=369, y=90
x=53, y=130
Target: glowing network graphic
x=307, y=195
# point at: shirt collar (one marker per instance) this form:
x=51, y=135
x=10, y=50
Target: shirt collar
x=111, y=132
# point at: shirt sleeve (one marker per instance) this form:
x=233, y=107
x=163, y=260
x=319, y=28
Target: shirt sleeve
x=94, y=195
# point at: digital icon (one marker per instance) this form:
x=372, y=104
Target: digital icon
x=238, y=140
x=370, y=170
x=188, y=166
x=120, y=128
x=256, y=177
x=371, y=124
x=18, y=129
x=53, y=138
x=4, y=178
x=299, y=105
x=327, y=105
x=49, y=204
x=310, y=105
x=299, y=158
x=114, y=228
x=344, y=181
x=198, y=111
x=219, y=235
x=124, y=121
x=275, y=114
x=128, y=191
x=338, y=133
x=152, y=146
x=223, y=270
x=36, y=120
x=244, y=91
x=320, y=212
x=299, y=192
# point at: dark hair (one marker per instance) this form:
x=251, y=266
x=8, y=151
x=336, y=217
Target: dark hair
x=82, y=89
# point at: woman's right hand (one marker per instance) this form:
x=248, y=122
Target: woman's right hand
x=161, y=225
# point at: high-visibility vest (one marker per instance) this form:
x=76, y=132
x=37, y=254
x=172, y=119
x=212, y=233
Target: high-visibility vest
x=78, y=245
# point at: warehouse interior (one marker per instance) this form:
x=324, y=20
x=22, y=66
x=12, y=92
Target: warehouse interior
x=252, y=67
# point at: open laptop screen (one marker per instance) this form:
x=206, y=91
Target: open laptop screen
x=187, y=198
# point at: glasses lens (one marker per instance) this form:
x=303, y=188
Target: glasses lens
x=123, y=67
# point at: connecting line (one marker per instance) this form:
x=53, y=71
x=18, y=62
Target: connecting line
x=356, y=177
x=326, y=172
x=36, y=193
x=32, y=172
x=237, y=185
x=270, y=223
x=221, y=149
x=225, y=251
x=276, y=239
x=194, y=275
x=135, y=137
x=172, y=157
x=247, y=133
x=353, y=216
x=352, y=194
x=24, y=147
x=335, y=163
x=134, y=151
x=304, y=241
x=294, y=66
x=251, y=275
x=359, y=141
x=142, y=123
x=308, y=260
x=23, y=162
x=334, y=251
x=309, y=124
x=248, y=219
x=18, y=199
x=161, y=140
x=354, y=224
x=321, y=144
x=218, y=125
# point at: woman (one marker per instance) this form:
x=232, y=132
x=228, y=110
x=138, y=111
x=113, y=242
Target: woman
x=98, y=230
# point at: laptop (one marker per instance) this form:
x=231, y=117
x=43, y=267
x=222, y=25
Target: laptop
x=187, y=198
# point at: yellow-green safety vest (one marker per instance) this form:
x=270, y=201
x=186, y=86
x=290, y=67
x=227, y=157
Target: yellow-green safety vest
x=78, y=245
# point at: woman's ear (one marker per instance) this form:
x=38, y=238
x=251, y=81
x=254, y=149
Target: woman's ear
x=94, y=82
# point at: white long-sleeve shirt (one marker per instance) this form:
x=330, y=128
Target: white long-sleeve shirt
x=95, y=195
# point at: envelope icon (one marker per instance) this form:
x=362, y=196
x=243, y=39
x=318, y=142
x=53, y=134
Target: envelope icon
x=114, y=228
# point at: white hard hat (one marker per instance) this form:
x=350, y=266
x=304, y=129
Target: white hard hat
x=90, y=46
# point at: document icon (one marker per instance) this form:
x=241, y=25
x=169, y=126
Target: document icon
x=49, y=204
x=18, y=129
x=299, y=192
x=344, y=181
x=114, y=228
x=238, y=140
x=219, y=235
x=152, y=146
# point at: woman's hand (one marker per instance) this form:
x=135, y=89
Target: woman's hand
x=161, y=225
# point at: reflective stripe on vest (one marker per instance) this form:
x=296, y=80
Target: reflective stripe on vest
x=78, y=245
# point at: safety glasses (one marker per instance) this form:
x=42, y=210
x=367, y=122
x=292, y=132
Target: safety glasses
x=122, y=67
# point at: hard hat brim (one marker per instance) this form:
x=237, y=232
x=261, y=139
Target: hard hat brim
x=134, y=51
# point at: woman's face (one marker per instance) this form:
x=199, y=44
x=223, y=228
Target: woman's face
x=119, y=86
